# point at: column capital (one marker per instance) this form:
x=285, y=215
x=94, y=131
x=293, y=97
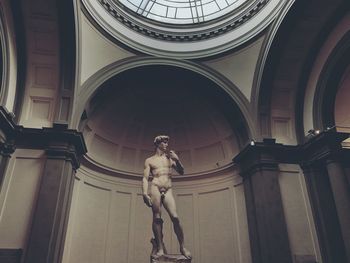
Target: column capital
x=7, y=148
x=322, y=147
x=58, y=141
x=265, y=155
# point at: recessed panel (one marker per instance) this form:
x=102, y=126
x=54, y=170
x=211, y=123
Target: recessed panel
x=119, y=231
x=216, y=227
x=19, y=202
x=40, y=108
x=143, y=232
x=91, y=225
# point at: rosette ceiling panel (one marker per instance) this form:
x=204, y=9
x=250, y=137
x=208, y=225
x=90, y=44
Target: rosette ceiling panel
x=183, y=28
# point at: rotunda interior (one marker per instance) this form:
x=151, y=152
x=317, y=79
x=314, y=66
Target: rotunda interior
x=254, y=95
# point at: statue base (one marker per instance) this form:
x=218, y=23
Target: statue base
x=168, y=258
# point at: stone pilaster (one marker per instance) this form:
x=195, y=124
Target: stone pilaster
x=266, y=222
x=46, y=240
x=63, y=148
x=322, y=161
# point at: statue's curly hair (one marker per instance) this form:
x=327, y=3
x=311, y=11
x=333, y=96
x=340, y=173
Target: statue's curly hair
x=160, y=138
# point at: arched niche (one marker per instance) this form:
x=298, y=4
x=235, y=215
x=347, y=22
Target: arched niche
x=108, y=219
x=130, y=109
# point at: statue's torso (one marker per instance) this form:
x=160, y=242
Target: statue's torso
x=161, y=168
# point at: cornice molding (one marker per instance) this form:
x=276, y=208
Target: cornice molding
x=58, y=141
x=184, y=36
x=268, y=154
x=190, y=42
x=325, y=146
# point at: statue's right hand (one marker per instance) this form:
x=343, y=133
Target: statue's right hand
x=147, y=199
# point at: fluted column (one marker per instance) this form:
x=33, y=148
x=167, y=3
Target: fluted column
x=266, y=221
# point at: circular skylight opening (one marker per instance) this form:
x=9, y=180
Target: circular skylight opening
x=183, y=28
x=182, y=11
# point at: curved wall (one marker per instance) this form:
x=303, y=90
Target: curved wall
x=110, y=223
x=127, y=113
x=342, y=107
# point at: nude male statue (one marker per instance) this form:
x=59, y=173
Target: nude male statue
x=160, y=166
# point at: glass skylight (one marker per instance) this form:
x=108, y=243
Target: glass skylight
x=182, y=11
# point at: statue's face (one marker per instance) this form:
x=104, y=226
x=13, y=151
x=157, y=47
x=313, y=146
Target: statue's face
x=163, y=145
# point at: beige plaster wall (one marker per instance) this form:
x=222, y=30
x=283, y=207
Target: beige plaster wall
x=110, y=223
x=95, y=51
x=18, y=195
x=298, y=214
x=42, y=69
x=239, y=67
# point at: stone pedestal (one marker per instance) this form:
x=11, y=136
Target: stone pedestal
x=171, y=258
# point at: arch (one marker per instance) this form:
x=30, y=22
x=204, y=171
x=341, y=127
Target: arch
x=288, y=63
x=8, y=88
x=328, y=84
x=91, y=86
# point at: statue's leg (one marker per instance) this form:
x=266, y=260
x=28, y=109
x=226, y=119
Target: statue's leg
x=157, y=224
x=170, y=206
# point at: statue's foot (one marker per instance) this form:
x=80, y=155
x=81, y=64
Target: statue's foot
x=158, y=254
x=185, y=252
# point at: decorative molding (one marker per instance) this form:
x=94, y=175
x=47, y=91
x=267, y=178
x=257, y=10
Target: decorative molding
x=5, y=63
x=218, y=36
x=185, y=37
x=10, y=255
x=22, y=55
x=268, y=154
x=95, y=82
x=328, y=84
x=58, y=141
x=321, y=147
x=7, y=148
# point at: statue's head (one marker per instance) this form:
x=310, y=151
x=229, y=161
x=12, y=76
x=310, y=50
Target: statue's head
x=158, y=140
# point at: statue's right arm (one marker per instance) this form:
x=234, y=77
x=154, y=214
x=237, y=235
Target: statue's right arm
x=146, y=197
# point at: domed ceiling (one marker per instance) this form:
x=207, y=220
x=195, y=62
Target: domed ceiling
x=127, y=113
x=183, y=29
x=182, y=11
